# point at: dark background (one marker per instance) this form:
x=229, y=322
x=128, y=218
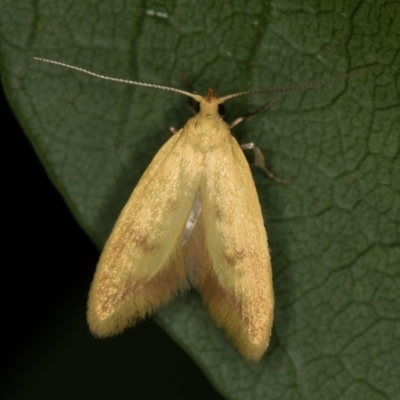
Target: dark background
x=47, y=350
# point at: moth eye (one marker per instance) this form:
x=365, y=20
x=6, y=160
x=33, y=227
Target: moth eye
x=221, y=110
x=197, y=107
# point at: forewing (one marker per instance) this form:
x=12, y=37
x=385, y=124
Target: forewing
x=141, y=266
x=236, y=280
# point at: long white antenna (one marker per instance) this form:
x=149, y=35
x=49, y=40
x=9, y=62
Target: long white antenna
x=109, y=78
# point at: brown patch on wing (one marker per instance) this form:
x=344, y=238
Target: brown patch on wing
x=143, y=241
x=230, y=260
x=218, y=213
x=239, y=255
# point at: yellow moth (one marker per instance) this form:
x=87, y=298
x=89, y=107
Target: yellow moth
x=193, y=220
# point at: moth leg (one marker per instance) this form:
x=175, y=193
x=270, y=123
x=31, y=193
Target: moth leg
x=251, y=114
x=259, y=161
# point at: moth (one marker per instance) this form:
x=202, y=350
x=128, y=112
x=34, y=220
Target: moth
x=193, y=220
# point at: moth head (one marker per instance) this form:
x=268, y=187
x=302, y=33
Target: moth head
x=210, y=104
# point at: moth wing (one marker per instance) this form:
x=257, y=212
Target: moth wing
x=236, y=278
x=141, y=266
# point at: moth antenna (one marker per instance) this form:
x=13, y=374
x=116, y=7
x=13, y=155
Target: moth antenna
x=294, y=88
x=109, y=78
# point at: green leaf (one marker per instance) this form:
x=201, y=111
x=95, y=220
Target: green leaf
x=333, y=232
